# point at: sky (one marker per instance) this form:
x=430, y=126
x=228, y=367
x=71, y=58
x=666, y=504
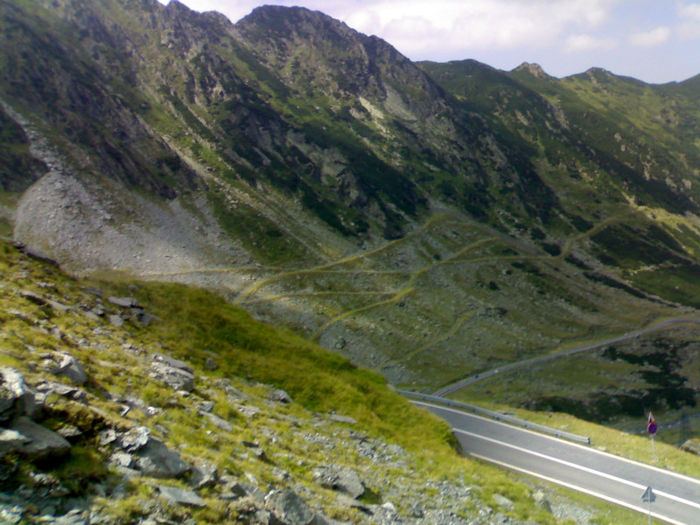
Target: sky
x=656, y=41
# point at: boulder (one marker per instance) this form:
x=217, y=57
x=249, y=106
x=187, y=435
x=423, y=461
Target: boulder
x=204, y=475
x=217, y=421
x=172, y=362
x=342, y=479
x=175, y=378
x=280, y=396
x=289, y=507
x=692, y=446
x=178, y=496
x=43, y=443
x=16, y=398
x=11, y=441
x=70, y=368
x=173, y=372
x=123, y=302
x=158, y=461
x=135, y=439
x=503, y=502
x=116, y=320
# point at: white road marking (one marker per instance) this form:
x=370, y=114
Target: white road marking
x=570, y=443
x=580, y=467
x=579, y=489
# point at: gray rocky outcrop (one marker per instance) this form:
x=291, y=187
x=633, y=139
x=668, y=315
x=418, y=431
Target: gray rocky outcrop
x=69, y=367
x=16, y=397
x=40, y=442
x=173, y=372
x=342, y=479
x=289, y=507
x=179, y=496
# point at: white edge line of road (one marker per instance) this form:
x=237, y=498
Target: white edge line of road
x=571, y=443
x=580, y=467
x=580, y=489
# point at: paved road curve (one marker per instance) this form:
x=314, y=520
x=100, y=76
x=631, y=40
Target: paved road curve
x=449, y=389
x=579, y=467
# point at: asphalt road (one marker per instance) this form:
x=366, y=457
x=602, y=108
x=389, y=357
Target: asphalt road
x=578, y=467
x=458, y=385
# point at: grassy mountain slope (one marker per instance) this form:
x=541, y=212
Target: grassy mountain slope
x=339, y=415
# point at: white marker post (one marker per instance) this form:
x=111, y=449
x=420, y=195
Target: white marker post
x=649, y=497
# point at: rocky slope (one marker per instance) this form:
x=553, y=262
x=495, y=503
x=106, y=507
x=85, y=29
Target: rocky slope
x=107, y=415
x=426, y=220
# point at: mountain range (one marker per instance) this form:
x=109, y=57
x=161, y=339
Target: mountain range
x=427, y=220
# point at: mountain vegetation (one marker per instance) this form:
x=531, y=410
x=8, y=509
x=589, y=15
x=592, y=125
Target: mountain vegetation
x=428, y=221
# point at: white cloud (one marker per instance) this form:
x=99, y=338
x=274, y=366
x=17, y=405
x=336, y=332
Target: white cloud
x=650, y=38
x=584, y=43
x=418, y=27
x=689, y=29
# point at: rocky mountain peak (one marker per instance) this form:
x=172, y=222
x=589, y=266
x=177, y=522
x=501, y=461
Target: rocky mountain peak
x=534, y=69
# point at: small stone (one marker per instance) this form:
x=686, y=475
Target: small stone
x=204, y=475
x=121, y=459
x=504, y=502
x=210, y=364
x=342, y=419
x=172, y=362
x=218, y=422
x=123, y=302
x=135, y=439
x=178, y=496
x=206, y=406
x=116, y=320
x=280, y=396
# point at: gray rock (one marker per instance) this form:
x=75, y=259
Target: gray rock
x=204, y=475
x=175, y=378
x=107, y=437
x=503, y=502
x=10, y=513
x=178, y=496
x=172, y=362
x=42, y=441
x=135, y=439
x=280, y=396
x=74, y=517
x=16, y=398
x=206, y=406
x=342, y=419
x=123, y=302
x=217, y=421
x=70, y=368
x=289, y=506
x=70, y=432
x=158, y=461
x=116, y=320
x=342, y=479
x=121, y=459
x=11, y=441
x=540, y=499
x=210, y=364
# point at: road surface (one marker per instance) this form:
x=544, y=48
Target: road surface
x=449, y=389
x=578, y=467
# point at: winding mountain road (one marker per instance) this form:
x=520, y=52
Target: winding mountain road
x=463, y=383
x=611, y=478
